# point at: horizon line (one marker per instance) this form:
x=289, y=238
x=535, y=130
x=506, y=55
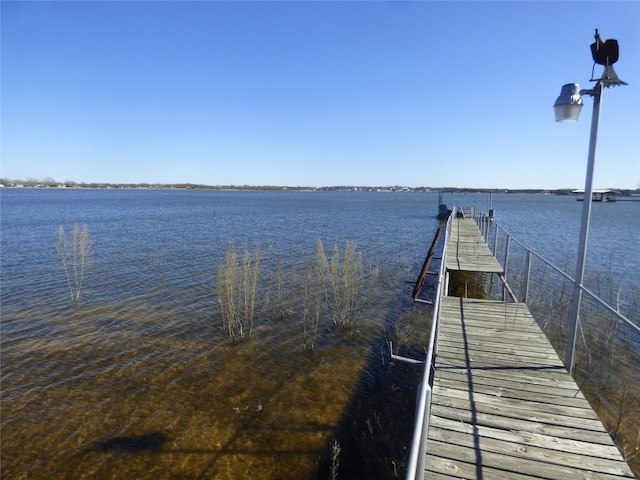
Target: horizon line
x=36, y=183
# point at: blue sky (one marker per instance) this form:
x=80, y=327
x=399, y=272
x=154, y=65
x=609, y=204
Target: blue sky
x=314, y=93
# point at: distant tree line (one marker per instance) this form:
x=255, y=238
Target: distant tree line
x=49, y=182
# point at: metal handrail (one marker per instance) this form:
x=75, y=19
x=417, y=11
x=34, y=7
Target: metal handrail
x=418, y=451
x=568, y=277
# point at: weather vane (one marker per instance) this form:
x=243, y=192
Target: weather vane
x=605, y=52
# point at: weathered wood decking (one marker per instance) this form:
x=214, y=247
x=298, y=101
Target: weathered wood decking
x=467, y=250
x=504, y=406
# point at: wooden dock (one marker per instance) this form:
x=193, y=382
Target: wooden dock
x=467, y=250
x=504, y=406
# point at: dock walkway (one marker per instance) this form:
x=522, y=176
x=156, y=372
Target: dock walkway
x=467, y=250
x=504, y=406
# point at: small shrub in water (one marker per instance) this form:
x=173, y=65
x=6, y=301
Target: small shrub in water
x=237, y=292
x=75, y=253
x=349, y=295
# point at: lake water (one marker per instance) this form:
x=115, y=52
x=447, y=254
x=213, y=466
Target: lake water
x=139, y=380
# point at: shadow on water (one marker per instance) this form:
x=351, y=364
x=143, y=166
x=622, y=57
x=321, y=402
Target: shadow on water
x=376, y=429
x=176, y=406
x=142, y=443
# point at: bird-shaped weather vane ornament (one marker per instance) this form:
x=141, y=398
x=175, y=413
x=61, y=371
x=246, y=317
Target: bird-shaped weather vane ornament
x=605, y=52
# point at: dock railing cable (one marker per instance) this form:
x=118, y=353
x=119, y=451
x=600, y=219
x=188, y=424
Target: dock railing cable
x=418, y=451
x=509, y=258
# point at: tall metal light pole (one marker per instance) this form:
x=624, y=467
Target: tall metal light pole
x=567, y=109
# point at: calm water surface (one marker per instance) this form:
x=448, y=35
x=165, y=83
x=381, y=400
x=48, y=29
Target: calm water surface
x=138, y=380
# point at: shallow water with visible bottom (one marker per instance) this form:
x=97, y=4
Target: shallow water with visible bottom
x=139, y=380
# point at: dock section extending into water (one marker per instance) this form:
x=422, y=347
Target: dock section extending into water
x=502, y=405
x=468, y=252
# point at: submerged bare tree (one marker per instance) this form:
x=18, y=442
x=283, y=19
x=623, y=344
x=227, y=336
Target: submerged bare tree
x=75, y=252
x=335, y=459
x=237, y=287
x=348, y=293
x=314, y=295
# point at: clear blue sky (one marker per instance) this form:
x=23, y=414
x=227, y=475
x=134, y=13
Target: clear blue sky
x=314, y=93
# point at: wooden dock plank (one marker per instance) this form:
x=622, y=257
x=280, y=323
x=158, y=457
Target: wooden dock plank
x=496, y=386
x=520, y=409
x=442, y=468
x=523, y=464
x=536, y=385
x=522, y=452
x=467, y=250
x=596, y=453
x=476, y=419
x=503, y=404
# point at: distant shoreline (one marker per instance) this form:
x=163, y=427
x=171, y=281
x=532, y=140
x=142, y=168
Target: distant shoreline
x=342, y=188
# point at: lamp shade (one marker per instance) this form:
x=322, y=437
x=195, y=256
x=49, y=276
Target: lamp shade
x=569, y=103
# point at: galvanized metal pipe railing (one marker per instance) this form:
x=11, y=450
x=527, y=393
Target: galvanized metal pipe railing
x=418, y=449
x=531, y=253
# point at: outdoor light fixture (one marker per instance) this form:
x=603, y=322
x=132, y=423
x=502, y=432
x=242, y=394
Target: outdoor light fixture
x=567, y=109
x=569, y=103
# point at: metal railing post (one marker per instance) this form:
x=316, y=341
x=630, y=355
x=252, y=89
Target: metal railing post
x=485, y=225
x=527, y=273
x=506, y=263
